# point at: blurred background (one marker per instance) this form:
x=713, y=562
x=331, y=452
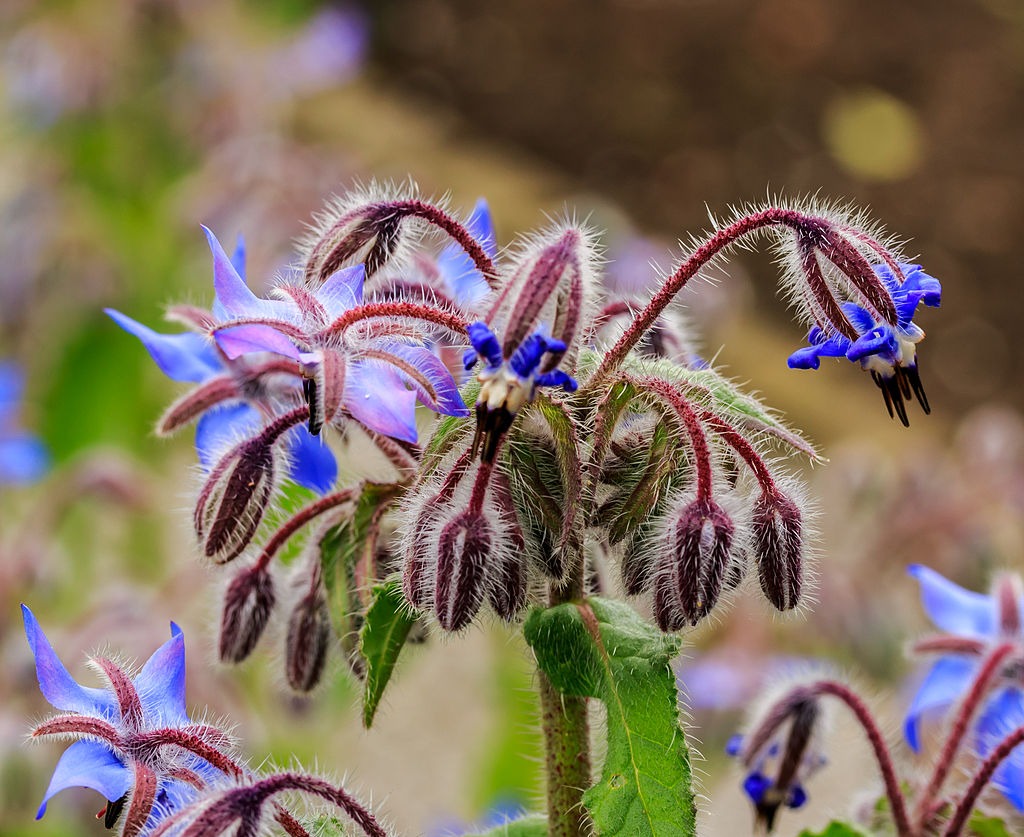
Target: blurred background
x=124, y=124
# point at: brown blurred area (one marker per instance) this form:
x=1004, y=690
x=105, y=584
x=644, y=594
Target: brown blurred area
x=911, y=108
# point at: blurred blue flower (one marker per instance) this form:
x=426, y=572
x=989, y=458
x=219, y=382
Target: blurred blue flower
x=23, y=457
x=503, y=811
x=974, y=623
x=105, y=758
x=193, y=358
x=759, y=784
x=458, y=271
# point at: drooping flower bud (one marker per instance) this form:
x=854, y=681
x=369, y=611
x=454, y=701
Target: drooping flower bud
x=235, y=497
x=690, y=570
x=248, y=603
x=778, y=547
x=309, y=635
x=464, y=550
x=367, y=232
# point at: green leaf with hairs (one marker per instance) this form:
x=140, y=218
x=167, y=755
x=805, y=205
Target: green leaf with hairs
x=834, y=829
x=602, y=649
x=385, y=629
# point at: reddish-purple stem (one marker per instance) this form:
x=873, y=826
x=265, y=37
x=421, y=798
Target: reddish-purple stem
x=298, y=520
x=981, y=779
x=980, y=686
x=373, y=310
x=738, y=443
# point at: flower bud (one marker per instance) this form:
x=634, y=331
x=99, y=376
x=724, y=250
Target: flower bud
x=506, y=583
x=309, y=634
x=464, y=549
x=692, y=567
x=234, y=498
x=369, y=233
x=248, y=603
x=637, y=565
x=778, y=547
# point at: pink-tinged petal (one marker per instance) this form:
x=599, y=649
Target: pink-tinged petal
x=951, y=607
x=376, y=397
x=446, y=398
x=57, y=686
x=233, y=297
x=181, y=357
x=236, y=341
x=88, y=764
x=161, y=683
x=342, y=291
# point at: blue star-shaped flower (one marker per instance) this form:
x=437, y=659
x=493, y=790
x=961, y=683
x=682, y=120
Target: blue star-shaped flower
x=23, y=458
x=507, y=384
x=973, y=623
x=192, y=358
x=115, y=724
x=888, y=352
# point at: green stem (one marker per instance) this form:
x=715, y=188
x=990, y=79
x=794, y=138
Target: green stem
x=566, y=736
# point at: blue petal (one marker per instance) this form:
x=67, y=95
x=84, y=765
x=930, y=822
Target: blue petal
x=557, y=378
x=485, y=343
x=526, y=358
x=12, y=383
x=161, y=683
x=89, y=764
x=755, y=786
x=953, y=609
x=23, y=458
x=342, y=291
x=181, y=357
x=238, y=257
x=879, y=341
x=221, y=427
x=376, y=397
x=943, y=686
x=859, y=318
x=1001, y=716
x=734, y=744
x=797, y=797
x=312, y=463
x=57, y=686
x=236, y=341
x=456, y=267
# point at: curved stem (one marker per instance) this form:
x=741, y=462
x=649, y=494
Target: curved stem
x=979, y=689
x=298, y=520
x=981, y=779
x=373, y=310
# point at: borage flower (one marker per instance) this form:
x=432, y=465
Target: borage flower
x=888, y=352
x=23, y=457
x=136, y=745
x=349, y=367
x=507, y=384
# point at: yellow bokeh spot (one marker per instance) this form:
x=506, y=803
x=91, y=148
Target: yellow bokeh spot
x=873, y=135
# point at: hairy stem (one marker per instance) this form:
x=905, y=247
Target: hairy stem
x=981, y=779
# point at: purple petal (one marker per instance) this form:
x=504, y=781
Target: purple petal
x=236, y=341
x=181, y=357
x=377, y=398
x=222, y=427
x=57, y=686
x=161, y=683
x=943, y=686
x=1003, y=714
x=952, y=608
x=88, y=764
x=312, y=463
x=342, y=291
x=448, y=401
x=233, y=297
x=23, y=458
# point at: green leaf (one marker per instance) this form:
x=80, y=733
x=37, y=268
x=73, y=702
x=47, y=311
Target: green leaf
x=603, y=649
x=382, y=638
x=532, y=825
x=347, y=555
x=834, y=829
x=982, y=825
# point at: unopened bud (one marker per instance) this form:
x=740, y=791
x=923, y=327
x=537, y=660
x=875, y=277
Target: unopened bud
x=506, y=586
x=464, y=550
x=234, y=498
x=778, y=547
x=248, y=603
x=368, y=233
x=309, y=634
x=637, y=565
x=693, y=564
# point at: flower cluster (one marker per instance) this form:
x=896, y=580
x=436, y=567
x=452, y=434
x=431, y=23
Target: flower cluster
x=158, y=770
